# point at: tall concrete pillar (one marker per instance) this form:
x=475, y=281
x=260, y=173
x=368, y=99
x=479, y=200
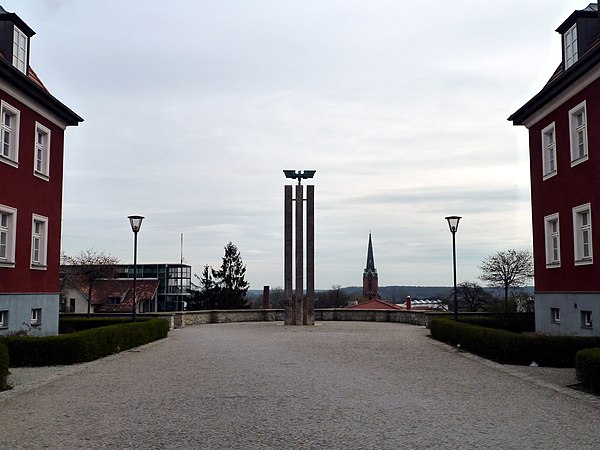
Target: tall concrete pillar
x=287, y=263
x=299, y=293
x=299, y=308
x=309, y=316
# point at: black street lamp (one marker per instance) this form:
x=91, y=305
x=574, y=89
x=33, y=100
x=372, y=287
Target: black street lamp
x=136, y=224
x=453, y=224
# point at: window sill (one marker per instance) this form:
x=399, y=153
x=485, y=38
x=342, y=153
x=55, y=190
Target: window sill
x=41, y=175
x=580, y=160
x=549, y=175
x=39, y=267
x=7, y=265
x=584, y=262
x=553, y=265
x=10, y=162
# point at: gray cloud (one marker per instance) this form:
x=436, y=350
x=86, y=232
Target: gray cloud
x=193, y=109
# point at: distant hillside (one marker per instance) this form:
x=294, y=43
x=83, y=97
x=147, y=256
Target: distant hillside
x=397, y=294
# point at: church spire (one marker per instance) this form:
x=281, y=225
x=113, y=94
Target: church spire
x=370, y=259
x=370, y=280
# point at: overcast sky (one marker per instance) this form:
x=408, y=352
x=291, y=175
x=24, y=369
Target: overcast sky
x=193, y=108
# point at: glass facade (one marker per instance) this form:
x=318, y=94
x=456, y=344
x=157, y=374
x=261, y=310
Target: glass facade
x=175, y=281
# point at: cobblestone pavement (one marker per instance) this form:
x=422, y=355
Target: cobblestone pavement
x=337, y=385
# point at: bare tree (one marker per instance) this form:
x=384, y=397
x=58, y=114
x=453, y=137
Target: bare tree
x=473, y=296
x=88, y=266
x=277, y=297
x=507, y=268
x=334, y=298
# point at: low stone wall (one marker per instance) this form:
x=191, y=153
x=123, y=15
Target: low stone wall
x=180, y=319
x=187, y=318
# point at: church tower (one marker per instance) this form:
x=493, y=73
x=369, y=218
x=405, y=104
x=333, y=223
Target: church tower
x=370, y=282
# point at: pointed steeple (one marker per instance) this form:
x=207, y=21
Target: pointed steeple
x=370, y=280
x=370, y=260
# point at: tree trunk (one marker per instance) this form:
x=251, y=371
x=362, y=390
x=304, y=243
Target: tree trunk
x=89, y=301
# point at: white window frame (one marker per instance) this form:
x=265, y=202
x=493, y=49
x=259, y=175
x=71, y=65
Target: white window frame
x=8, y=236
x=36, y=316
x=39, y=242
x=9, y=134
x=4, y=319
x=549, y=165
x=555, y=315
x=582, y=235
x=570, y=46
x=586, y=319
x=20, y=43
x=41, y=152
x=552, y=233
x=578, y=134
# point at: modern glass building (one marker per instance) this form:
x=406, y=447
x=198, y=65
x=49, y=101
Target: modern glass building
x=175, y=281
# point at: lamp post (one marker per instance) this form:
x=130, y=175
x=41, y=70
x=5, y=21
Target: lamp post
x=136, y=224
x=453, y=224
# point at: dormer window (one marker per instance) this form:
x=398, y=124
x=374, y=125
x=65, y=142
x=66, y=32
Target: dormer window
x=20, y=50
x=570, y=45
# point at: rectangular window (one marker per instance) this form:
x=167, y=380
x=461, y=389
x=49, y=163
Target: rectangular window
x=552, y=240
x=9, y=134
x=3, y=319
x=586, y=319
x=555, y=314
x=549, y=151
x=20, y=50
x=36, y=316
x=114, y=300
x=570, y=46
x=8, y=224
x=578, y=132
x=39, y=241
x=582, y=239
x=41, y=166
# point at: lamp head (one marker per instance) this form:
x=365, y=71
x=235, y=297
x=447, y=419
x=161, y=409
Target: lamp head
x=136, y=222
x=453, y=223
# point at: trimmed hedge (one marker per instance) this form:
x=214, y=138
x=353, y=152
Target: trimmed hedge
x=507, y=347
x=3, y=367
x=518, y=323
x=587, y=364
x=73, y=324
x=84, y=345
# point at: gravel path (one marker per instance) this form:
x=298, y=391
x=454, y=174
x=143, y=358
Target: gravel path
x=337, y=385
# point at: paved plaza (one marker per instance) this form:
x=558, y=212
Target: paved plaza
x=337, y=385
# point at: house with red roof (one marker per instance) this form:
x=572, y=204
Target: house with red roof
x=374, y=303
x=564, y=154
x=32, y=128
x=110, y=295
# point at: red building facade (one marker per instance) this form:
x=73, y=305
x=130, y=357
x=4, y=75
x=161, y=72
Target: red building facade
x=32, y=126
x=564, y=142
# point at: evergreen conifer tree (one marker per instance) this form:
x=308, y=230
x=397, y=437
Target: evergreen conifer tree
x=230, y=280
